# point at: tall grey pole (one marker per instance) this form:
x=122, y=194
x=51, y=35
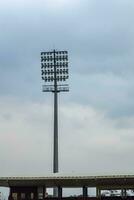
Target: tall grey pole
x=55, y=149
x=55, y=153
x=54, y=69
x=55, y=161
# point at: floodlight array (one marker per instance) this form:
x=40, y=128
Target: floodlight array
x=54, y=66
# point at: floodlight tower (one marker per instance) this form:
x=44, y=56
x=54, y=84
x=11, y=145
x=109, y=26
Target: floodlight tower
x=54, y=70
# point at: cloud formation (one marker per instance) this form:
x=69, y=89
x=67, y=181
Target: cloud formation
x=86, y=140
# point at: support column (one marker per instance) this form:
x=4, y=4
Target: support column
x=85, y=191
x=40, y=192
x=44, y=192
x=98, y=192
x=59, y=192
x=10, y=194
x=123, y=192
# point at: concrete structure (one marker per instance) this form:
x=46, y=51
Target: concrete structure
x=35, y=187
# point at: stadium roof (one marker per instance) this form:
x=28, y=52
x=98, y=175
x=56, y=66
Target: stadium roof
x=112, y=181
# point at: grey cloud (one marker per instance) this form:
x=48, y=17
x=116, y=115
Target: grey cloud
x=99, y=37
x=113, y=94
x=7, y=116
x=125, y=123
x=86, y=143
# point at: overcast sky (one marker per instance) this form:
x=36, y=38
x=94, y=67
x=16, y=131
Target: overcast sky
x=96, y=118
